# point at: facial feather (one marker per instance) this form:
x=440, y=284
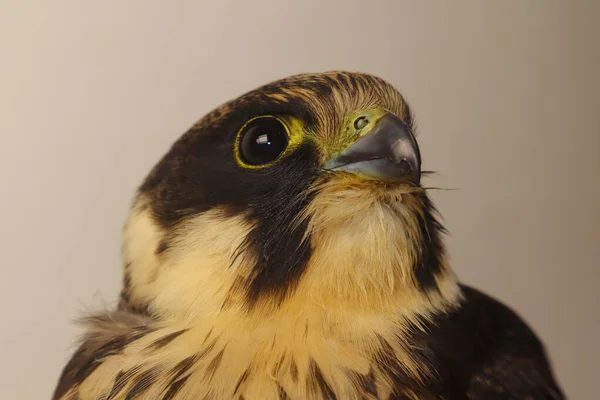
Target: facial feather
x=283, y=281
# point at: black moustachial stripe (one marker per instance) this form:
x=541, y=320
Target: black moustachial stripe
x=277, y=239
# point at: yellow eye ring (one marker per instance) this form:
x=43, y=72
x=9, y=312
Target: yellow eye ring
x=261, y=141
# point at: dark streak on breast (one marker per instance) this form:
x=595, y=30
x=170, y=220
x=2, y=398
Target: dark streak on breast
x=317, y=380
x=294, y=370
x=402, y=384
x=174, y=388
x=282, y=393
x=207, y=335
x=306, y=331
x=121, y=380
x=112, y=347
x=163, y=246
x=241, y=381
x=182, y=367
x=163, y=341
x=214, y=364
x=364, y=383
x=141, y=383
x=279, y=363
x=118, y=386
x=207, y=349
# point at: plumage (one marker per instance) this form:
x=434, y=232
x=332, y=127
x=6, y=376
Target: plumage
x=284, y=248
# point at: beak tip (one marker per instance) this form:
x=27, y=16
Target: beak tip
x=412, y=170
x=417, y=178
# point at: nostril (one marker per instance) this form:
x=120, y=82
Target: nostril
x=360, y=122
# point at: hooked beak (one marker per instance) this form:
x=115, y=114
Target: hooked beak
x=389, y=152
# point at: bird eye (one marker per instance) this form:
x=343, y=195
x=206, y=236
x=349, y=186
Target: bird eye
x=262, y=141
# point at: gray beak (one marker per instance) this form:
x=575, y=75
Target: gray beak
x=389, y=152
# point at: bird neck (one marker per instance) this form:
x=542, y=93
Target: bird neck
x=374, y=258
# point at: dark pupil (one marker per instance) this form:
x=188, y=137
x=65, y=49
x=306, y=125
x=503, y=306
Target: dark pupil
x=263, y=141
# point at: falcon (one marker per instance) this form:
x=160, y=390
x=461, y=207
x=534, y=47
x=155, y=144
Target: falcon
x=285, y=248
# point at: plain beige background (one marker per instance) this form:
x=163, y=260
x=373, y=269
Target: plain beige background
x=506, y=95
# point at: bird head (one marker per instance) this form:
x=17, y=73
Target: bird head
x=303, y=194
